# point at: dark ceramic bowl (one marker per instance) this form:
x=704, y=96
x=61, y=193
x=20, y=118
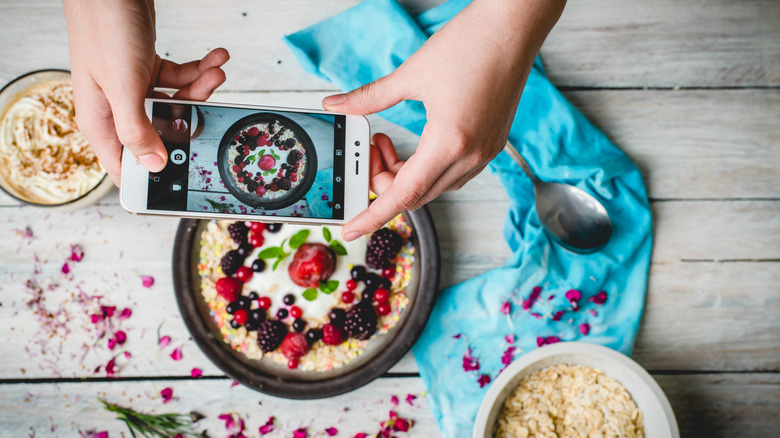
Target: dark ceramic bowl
x=251, y=199
x=381, y=353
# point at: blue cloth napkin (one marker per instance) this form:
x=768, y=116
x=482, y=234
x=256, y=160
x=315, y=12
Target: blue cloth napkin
x=544, y=293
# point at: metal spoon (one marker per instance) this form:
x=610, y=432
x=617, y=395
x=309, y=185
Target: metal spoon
x=571, y=216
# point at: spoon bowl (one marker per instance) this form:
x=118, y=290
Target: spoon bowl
x=571, y=216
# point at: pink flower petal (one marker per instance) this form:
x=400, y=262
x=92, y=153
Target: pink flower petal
x=535, y=292
x=229, y=421
x=584, y=328
x=401, y=424
x=111, y=343
x=508, y=355
x=410, y=399
x=110, y=368
x=394, y=400
x=127, y=354
x=126, y=313
x=65, y=268
x=234, y=383
x=573, y=296
x=103, y=434
x=268, y=427
x=332, y=431
x=147, y=281
x=558, y=315
x=299, y=433
x=96, y=318
x=510, y=339
x=176, y=354
x=593, y=312
x=469, y=362
x=76, y=253
x=196, y=372
x=506, y=308
x=483, y=380
x=536, y=315
x=600, y=298
x=120, y=337
x=107, y=311
x=360, y=435
x=455, y=337
x=164, y=341
x=167, y=394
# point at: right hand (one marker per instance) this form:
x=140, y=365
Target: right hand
x=114, y=67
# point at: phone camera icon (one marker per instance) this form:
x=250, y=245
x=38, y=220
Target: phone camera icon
x=178, y=156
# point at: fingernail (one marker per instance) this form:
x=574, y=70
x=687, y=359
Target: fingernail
x=336, y=99
x=349, y=237
x=152, y=162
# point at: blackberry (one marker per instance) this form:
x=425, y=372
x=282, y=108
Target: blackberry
x=360, y=321
x=293, y=157
x=251, y=186
x=382, y=248
x=231, y=261
x=238, y=232
x=277, y=142
x=290, y=142
x=238, y=160
x=285, y=184
x=270, y=335
x=313, y=335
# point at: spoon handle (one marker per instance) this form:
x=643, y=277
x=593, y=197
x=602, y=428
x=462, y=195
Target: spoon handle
x=520, y=161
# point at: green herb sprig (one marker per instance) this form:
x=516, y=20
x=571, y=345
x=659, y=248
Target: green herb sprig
x=155, y=426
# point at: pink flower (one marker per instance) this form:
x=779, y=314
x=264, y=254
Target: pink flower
x=410, y=398
x=234, y=383
x=268, y=427
x=535, y=292
x=196, y=372
x=573, y=296
x=176, y=354
x=401, y=424
x=510, y=339
x=126, y=312
x=164, y=341
x=65, y=268
x=593, y=312
x=110, y=368
x=107, y=311
x=506, y=308
x=546, y=341
x=167, y=394
x=508, y=355
x=228, y=419
x=600, y=298
x=455, y=337
x=394, y=400
x=469, y=362
x=127, y=354
x=111, y=343
x=483, y=380
x=147, y=281
x=299, y=433
x=558, y=315
x=360, y=435
x=536, y=315
x=76, y=253
x=96, y=318
x=120, y=337
x=584, y=328
x=332, y=431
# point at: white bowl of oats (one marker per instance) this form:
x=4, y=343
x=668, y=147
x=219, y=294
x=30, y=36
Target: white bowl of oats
x=575, y=389
x=44, y=159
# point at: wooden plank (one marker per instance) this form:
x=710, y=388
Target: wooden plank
x=596, y=43
x=66, y=408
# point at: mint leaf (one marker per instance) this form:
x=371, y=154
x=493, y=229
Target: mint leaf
x=270, y=253
x=338, y=248
x=329, y=287
x=326, y=234
x=310, y=294
x=261, y=153
x=252, y=158
x=297, y=240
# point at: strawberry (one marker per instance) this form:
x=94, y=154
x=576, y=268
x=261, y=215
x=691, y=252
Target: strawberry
x=331, y=335
x=294, y=346
x=313, y=263
x=229, y=288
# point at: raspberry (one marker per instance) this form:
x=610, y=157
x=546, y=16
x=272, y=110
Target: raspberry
x=382, y=248
x=360, y=322
x=231, y=261
x=294, y=346
x=228, y=288
x=270, y=335
x=331, y=335
x=238, y=231
x=253, y=131
x=312, y=263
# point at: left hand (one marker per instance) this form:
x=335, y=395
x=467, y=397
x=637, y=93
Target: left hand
x=469, y=75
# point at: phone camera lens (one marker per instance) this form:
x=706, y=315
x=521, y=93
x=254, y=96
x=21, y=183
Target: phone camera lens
x=357, y=154
x=357, y=143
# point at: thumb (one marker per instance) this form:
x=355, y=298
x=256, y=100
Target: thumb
x=135, y=131
x=370, y=98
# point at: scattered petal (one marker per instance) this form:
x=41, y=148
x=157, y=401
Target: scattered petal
x=573, y=296
x=394, y=400
x=510, y=338
x=126, y=313
x=401, y=424
x=483, y=380
x=546, y=341
x=506, y=308
x=268, y=427
x=111, y=343
x=164, y=341
x=176, y=353
x=360, y=435
x=96, y=318
x=110, y=368
x=196, y=372
x=299, y=433
x=65, y=268
x=234, y=383
x=120, y=337
x=127, y=354
x=103, y=434
x=600, y=298
x=147, y=281
x=76, y=253
x=410, y=399
x=593, y=312
x=167, y=394
x=536, y=315
x=470, y=363
x=229, y=421
x=508, y=355
x=454, y=337
x=331, y=431
x=558, y=315
x=584, y=328
x=107, y=311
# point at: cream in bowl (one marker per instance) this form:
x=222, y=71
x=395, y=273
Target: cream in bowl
x=44, y=159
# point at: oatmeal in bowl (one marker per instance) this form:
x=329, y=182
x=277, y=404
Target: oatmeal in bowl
x=295, y=311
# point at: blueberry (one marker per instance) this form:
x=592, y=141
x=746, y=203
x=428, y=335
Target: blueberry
x=337, y=315
x=358, y=273
x=257, y=315
x=299, y=325
x=273, y=228
x=253, y=295
x=289, y=299
x=252, y=325
x=245, y=249
x=239, y=158
x=234, y=324
x=232, y=307
x=258, y=265
x=244, y=302
x=281, y=313
x=313, y=335
x=372, y=281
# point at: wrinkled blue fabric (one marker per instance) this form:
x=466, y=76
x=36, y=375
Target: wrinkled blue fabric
x=560, y=144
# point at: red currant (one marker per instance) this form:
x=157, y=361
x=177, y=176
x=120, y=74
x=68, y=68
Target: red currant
x=244, y=274
x=347, y=297
x=264, y=303
x=256, y=239
x=240, y=316
x=257, y=227
x=381, y=295
x=383, y=309
x=292, y=363
x=388, y=273
x=296, y=312
x=351, y=285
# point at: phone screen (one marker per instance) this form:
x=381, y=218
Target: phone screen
x=248, y=161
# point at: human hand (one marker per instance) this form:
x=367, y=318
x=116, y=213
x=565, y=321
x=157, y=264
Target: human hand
x=114, y=67
x=469, y=75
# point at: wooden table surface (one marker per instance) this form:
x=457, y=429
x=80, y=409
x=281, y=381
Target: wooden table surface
x=690, y=90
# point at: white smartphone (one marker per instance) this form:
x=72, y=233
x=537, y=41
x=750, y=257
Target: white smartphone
x=254, y=163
